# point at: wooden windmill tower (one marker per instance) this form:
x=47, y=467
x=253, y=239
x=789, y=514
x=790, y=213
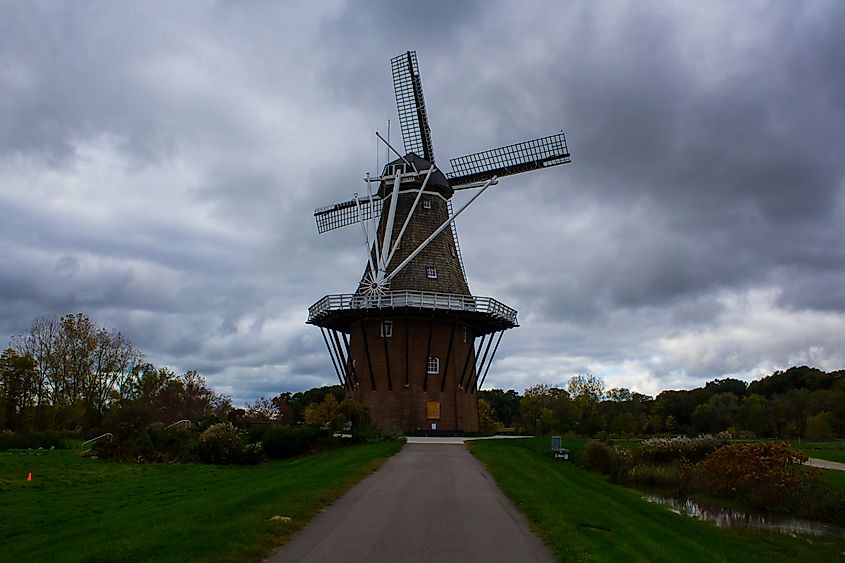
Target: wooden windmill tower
x=412, y=343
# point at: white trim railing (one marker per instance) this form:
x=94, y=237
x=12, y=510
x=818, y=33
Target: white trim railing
x=411, y=299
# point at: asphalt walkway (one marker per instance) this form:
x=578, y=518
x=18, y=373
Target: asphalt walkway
x=430, y=502
x=824, y=464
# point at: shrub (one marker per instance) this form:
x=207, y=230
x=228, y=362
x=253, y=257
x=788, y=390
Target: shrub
x=660, y=475
x=221, y=444
x=45, y=440
x=600, y=457
x=251, y=454
x=762, y=474
x=255, y=432
x=356, y=414
x=143, y=445
x=172, y=443
x=371, y=435
x=665, y=450
x=287, y=441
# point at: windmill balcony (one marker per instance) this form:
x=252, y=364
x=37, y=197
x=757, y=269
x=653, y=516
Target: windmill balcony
x=328, y=310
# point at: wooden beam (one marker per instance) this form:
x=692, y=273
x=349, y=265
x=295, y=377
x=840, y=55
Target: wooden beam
x=386, y=355
x=428, y=353
x=367, y=350
x=448, y=355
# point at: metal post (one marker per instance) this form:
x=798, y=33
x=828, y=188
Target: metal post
x=408, y=218
x=342, y=359
x=351, y=361
x=331, y=355
x=474, y=384
x=439, y=230
x=470, y=354
x=490, y=361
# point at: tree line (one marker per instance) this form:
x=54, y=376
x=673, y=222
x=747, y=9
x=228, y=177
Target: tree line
x=67, y=373
x=799, y=402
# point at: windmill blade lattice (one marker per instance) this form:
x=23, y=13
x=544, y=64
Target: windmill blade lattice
x=508, y=160
x=413, y=119
x=345, y=213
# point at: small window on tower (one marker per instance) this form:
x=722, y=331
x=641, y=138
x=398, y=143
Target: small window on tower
x=433, y=366
x=387, y=329
x=465, y=335
x=431, y=273
x=426, y=204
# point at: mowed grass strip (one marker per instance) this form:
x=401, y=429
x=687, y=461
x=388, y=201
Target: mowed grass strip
x=582, y=517
x=77, y=509
x=830, y=451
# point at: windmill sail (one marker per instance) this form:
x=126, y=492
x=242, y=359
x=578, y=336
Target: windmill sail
x=413, y=120
x=345, y=213
x=510, y=159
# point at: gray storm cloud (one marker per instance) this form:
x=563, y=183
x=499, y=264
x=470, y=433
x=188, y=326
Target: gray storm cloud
x=159, y=164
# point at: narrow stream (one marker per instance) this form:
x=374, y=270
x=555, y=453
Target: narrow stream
x=725, y=517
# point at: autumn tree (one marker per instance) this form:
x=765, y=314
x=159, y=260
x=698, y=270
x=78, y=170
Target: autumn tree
x=18, y=386
x=586, y=391
x=80, y=368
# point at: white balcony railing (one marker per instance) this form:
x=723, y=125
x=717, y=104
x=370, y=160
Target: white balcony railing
x=410, y=299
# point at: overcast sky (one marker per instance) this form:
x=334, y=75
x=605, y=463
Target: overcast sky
x=160, y=163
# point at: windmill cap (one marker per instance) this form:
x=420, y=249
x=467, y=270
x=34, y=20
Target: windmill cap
x=436, y=183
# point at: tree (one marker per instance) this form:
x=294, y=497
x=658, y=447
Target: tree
x=18, y=385
x=262, y=410
x=505, y=404
x=487, y=419
x=324, y=415
x=80, y=368
x=586, y=391
x=821, y=426
x=755, y=413
x=619, y=394
x=544, y=408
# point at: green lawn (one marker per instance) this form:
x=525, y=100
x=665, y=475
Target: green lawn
x=831, y=451
x=585, y=518
x=77, y=509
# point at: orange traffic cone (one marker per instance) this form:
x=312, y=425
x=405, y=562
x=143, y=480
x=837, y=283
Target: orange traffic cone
x=29, y=477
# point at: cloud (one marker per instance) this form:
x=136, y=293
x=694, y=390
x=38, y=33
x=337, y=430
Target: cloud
x=160, y=162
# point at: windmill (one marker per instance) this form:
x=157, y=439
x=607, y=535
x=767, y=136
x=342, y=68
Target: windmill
x=412, y=343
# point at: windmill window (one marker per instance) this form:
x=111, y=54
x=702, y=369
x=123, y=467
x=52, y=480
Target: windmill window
x=426, y=204
x=431, y=273
x=465, y=335
x=433, y=366
x=387, y=329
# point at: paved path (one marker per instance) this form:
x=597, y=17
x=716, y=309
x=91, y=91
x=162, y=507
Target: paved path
x=429, y=502
x=824, y=464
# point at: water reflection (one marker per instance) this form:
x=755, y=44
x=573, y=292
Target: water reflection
x=726, y=517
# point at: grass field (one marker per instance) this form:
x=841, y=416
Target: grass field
x=77, y=509
x=584, y=518
x=831, y=451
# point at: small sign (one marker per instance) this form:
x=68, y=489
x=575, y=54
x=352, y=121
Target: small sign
x=433, y=410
